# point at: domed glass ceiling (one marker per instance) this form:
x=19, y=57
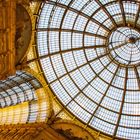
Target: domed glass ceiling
x=89, y=51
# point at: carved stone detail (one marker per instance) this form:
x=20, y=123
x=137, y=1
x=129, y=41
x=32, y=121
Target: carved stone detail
x=7, y=38
x=15, y=25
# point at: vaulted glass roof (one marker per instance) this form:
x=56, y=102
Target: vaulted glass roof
x=89, y=51
x=18, y=89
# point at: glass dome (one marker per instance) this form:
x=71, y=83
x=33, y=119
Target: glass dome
x=89, y=51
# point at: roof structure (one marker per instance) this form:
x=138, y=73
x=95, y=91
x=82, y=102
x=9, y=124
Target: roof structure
x=89, y=51
x=18, y=89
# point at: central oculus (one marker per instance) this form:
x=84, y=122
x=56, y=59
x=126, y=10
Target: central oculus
x=124, y=46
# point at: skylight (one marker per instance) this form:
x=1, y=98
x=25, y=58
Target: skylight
x=89, y=51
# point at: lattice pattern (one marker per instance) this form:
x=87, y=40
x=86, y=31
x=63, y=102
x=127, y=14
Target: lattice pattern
x=81, y=52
